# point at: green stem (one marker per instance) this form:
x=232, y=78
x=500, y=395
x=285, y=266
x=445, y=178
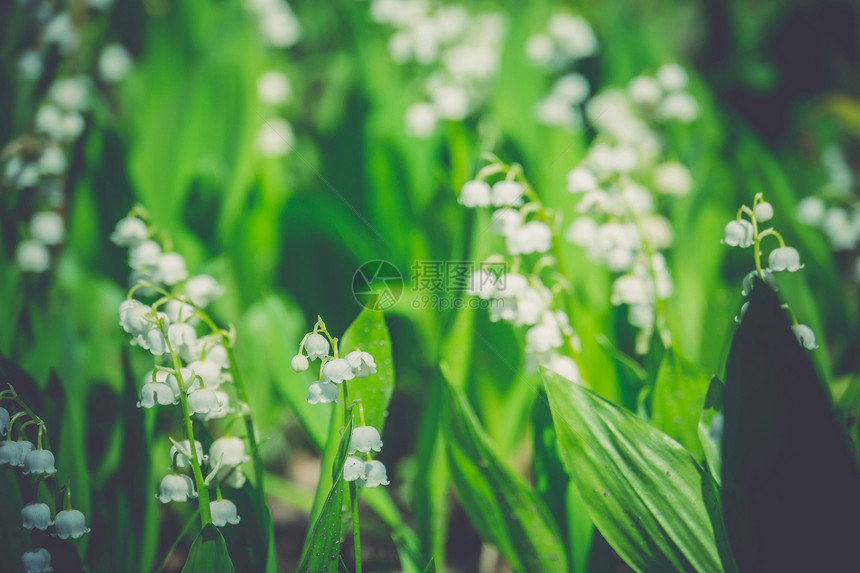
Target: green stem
x=202, y=488
x=241, y=390
x=356, y=536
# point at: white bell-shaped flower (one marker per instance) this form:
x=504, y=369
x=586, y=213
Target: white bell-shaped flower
x=565, y=367
x=763, y=212
x=362, y=363
x=475, y=194
x=181, y=459
x=48, y=228
x=482, y=283
x=173, y=381
x=784, y=259
x=178, y=311
x=39, y=462
x=317, y=346
x=135, y=317
x=4, y=421
x=222, y=412
x=508, y=193
x=36, y=560
x=805, y=336
x=321, y=392
x=153, y=393
x=672, y=77
x=70, y=523
x=208, y=371
x=36, y=516
x=506, y=221
x=13, y=453
x=203, y=401
x=202, y=290
x=156, y=342
x=810, y=210
x=738, y=234
x=740, y=315
x=181, y=335
x=32, y=256
x=144, y=255
x=673, y=178
x=228, y=450
x=337, y=370
x=223, y=512
x=365, y=439
x=533, y=237
x=170, y=269
x=580, y=180
x=375, y=475
x=175, y=487
x=354, y=469
x=129, y=232
x=299, y=363
x=421, y=119
x=644, y=90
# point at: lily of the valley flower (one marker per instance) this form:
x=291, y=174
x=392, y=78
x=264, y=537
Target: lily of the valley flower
x=337, y=371
x=36, y=560
x=784, y=259
x=175, y=487
x=36, y=516
x=317, y=346
x=223, y=512
x=362, y=363
x=738, y=234
x=153, y=393
x=13, y=453
x=321, y=392
x=70, y=523
x=39, y=462
x=364, y=439
x=805, y=336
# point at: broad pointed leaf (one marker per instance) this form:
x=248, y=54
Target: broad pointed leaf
x=678, y=394
x=642, y=489
x=369, y=333
x=208, y=553
x=791, y=489
x=501, y=506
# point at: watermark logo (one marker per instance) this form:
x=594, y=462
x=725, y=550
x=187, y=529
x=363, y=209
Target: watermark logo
x=377, y=285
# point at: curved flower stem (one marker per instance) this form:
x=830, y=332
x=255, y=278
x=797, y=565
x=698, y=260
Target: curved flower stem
x=13, y=395
x=239, y=383
x=202, y=488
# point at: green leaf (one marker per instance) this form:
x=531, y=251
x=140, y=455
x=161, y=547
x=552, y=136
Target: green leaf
x=641, y=488
x=711, y=428
x=322, y=547
x=370, y=334
x=208, y=553
x=431, y=567
x=500, y=504
x=791, y=489
x=678, y=394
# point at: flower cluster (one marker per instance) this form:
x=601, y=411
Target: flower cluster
x=620, y=185
x=36, y=460
x=193, y=369
x=36, y=162
x=518, y=296
x=567, y=40
x=279, y=28
x=335, y=373
x=745, y=231
x=462, y=51
x=834, y=208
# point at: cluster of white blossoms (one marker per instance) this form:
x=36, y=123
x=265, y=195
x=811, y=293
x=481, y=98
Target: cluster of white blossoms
x=276, y=22
x=517, y=296
x=460, y=50
x=335, y=373
x=192, y=369
x=279, y=28
x=37, y=161
x=36, y=460
x=567, y=40
x=834, y=208
x=620, y=185
x=745, y=231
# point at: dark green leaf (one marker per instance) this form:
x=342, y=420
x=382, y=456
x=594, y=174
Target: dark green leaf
x=678, y=394
x=791, y=489
x=322, y=548
x=370, y=334
x=502, y=507
x=208, y=553
x=642, y=489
